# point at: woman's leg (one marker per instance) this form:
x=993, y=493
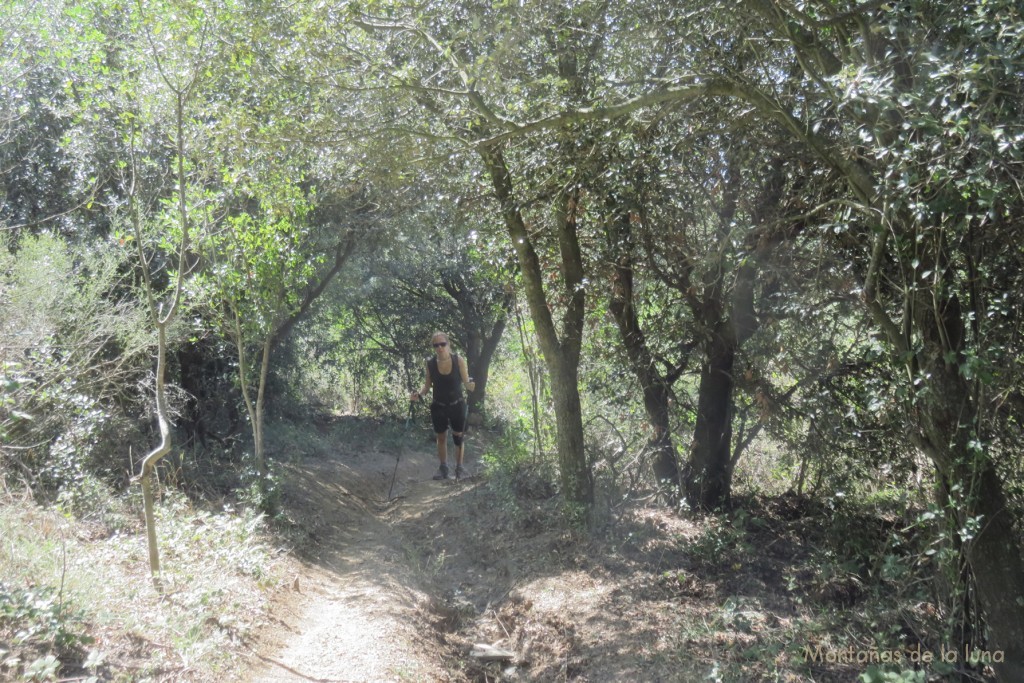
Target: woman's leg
x=439, y=418
x=442, y=449
x=457, y=418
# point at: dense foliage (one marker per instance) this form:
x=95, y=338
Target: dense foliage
x=755, y=244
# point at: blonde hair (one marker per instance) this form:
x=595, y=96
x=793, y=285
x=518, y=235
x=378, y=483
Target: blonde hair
x=440, y=334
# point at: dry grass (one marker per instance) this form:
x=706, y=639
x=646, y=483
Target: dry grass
x=219, y=571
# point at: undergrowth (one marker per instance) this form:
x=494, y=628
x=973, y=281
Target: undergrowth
x=77, y=600
x=523, y=483
x=816, y=591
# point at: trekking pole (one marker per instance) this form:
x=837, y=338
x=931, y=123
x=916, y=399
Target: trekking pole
x=398, y=458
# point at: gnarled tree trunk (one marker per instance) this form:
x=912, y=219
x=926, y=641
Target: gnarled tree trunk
x=654, y=384
x=560, y=354
x=946, y=417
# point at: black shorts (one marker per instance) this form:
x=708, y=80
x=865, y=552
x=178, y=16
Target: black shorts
x=445, y=416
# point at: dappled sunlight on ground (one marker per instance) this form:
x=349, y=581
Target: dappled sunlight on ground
x=398, y=578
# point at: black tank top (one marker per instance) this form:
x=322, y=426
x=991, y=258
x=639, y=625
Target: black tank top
x=447, y=388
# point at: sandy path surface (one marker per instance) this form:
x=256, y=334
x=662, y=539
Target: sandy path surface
x=355, y=612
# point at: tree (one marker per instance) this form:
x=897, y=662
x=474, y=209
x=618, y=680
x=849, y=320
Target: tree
x=257, y=268
x=482, y=294
x=429, y=269
x=439, y=72
x=930, y=195
x=41, y=186
x=865, y=125
x=847, y=86
x=181, y=79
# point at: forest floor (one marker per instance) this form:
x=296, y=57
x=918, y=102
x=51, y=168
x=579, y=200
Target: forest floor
x=373, y=572
x=398, y=577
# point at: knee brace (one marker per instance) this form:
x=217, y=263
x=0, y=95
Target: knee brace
x=458, y=438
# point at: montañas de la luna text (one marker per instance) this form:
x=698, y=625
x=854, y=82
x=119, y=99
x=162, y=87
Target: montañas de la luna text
x=853, y=655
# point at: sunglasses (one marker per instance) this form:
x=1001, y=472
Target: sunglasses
x=440, y=344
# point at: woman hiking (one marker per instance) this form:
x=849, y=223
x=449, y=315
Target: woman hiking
x=447, y=374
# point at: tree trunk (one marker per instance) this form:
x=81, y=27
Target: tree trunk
x=480, y=343
x=946, y=415
x=162, y=315
x=664, y=462
x=995, y=558
x=575, y=472
x=253, y=407
x=654, y=385
x=706, y=477
x=478, y=357
x=153, y=457
x=561, y=355
x=261, y=396
x=480, y=368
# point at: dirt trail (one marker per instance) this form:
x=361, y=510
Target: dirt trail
x=355, y=610
x=402, y=590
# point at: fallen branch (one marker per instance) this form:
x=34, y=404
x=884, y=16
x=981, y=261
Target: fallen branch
x=490, y=653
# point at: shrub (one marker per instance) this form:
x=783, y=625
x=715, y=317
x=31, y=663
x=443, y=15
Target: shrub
x=40, y=628
x=72, y=359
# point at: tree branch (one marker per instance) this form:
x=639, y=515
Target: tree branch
x=892, y=331
x=341, y=254
x=565, y=118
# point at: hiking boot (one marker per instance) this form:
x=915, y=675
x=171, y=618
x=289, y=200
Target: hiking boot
x=460, y=472
x=442, y=472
